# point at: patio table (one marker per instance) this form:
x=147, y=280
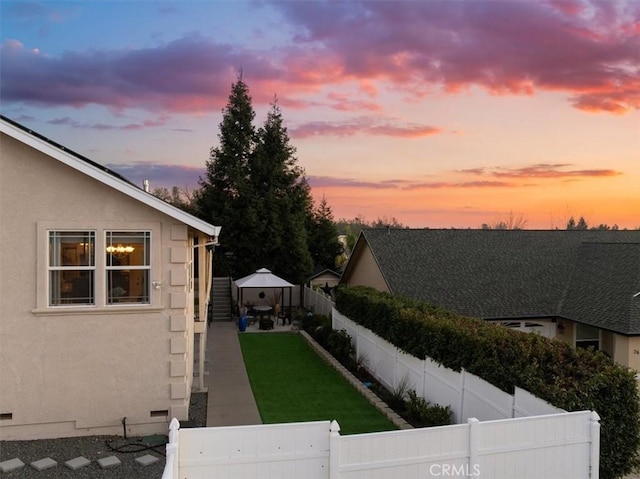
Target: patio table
x=262, y=310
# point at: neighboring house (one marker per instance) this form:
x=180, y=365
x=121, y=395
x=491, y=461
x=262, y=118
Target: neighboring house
x=579, y=286
x=98, y=301
x=324, y=280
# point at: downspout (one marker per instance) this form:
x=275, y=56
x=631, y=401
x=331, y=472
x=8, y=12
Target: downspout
x=207, y=262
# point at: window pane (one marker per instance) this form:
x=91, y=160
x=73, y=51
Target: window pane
x=71, y=263
x=127, y=286
x=71, y=248
x=71, y=287
x=128, y=266
x=128, y=249
x=584, y=332
x=510, y=324
x=588, y=344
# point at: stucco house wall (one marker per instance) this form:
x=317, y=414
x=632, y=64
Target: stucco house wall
x=79, y=370
x=364, y=271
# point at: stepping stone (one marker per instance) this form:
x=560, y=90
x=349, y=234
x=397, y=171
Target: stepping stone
x=146, y=460
x=77, y=463
x=11, y=465
x=111, y=461
x=43, y=464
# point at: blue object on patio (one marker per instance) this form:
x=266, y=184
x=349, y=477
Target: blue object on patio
x=242, y=324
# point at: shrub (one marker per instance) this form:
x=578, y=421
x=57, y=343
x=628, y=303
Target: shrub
x=398, y=395
x=569, y=378
x=422, y=414
x=361, y=363
x=340, y=346
x=318, y=326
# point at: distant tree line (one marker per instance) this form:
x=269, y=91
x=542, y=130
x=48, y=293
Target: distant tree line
x=581, y=224
x=182, y=198
x=512, y=221
x=351, y=228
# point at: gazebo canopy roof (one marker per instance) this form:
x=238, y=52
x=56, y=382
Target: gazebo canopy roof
x=263, y=278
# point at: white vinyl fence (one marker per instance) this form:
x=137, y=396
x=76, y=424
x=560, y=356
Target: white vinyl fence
x=317, y=302
x=562, y=445
x=467, y=394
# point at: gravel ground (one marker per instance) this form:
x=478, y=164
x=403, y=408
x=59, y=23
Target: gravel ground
x=94, y=448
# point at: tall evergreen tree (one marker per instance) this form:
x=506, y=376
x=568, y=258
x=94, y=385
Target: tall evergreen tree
x=283, y=201
x=323, y=238
x=222, y=198
x=256, y=191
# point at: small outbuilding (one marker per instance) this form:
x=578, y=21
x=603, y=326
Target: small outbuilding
x=325, y=281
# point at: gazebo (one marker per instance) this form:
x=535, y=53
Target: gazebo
x=264, y=279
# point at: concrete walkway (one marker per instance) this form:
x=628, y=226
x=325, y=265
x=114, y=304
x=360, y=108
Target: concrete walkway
x=230, y=401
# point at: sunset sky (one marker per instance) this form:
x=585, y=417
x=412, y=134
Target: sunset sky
x=440, y=114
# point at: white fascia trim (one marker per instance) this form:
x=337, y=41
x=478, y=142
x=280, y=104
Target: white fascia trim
x=109, y=180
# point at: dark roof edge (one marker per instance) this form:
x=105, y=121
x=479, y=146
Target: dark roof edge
x=67, y=150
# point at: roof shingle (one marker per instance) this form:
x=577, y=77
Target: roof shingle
x=588, y=276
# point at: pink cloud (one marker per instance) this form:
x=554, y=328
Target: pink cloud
x=333, y=182
x=161, y=121
x=506, y=47
x=402, y=184
x=187, y=75
x=344, y=102
x=411, y=131
x=463, y=184
x=160, y=175
x=568, y=7
x=541, y=170
x=369, y=126
x=587, y=49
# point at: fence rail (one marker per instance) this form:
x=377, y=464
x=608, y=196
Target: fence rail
x=560, y=445
x=467, y=394
x=317, y=302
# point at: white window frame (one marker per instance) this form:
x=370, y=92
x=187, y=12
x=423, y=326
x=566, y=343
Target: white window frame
x=51, y=235
x=42, y=286
x=542, y=327
x=143, y=233
x=576, y=341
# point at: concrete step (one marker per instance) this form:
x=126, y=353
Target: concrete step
x=221, y=300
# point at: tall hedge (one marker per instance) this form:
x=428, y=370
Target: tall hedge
x=570, y=378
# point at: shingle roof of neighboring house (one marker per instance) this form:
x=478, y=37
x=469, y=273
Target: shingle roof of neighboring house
x=603, y=285
x=101, y=173
x=588, y=276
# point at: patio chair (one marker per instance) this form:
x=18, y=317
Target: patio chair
x=285, y=315
x=251, y=316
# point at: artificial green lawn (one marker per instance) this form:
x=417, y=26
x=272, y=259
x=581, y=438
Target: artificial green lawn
x=291, y=383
